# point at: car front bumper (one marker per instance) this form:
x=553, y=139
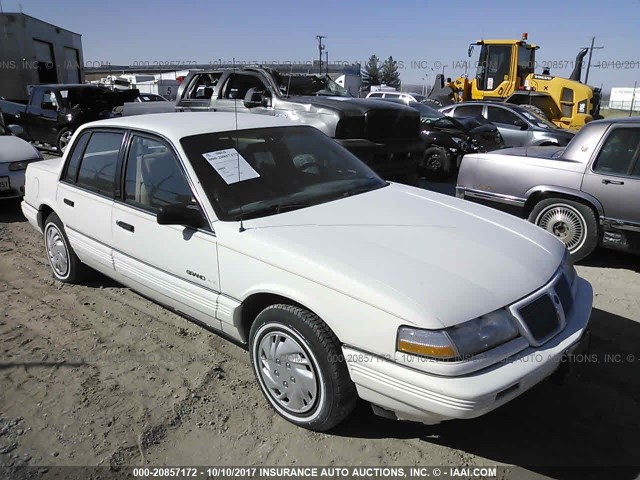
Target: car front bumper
x=417, y=396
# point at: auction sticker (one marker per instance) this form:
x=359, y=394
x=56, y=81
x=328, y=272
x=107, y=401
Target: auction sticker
x=230, y=165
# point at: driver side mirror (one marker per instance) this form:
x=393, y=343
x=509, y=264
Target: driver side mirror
x=17, y=130
x=255, y=98
x=186, y=215
x=521, y=124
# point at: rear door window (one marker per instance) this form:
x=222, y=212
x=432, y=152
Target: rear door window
x=463, y=111
x=98, y=165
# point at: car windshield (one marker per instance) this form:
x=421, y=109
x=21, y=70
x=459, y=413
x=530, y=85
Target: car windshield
x=536, y=119
x=309, y=85
x=259, y=172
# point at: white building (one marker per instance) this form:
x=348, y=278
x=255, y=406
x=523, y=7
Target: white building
x=622, y=98
x=35, y=52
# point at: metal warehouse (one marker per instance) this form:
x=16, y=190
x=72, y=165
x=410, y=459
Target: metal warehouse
x=34, y=52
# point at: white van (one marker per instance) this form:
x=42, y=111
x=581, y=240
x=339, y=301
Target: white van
x=407, y=97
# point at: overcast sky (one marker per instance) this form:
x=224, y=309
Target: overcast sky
x=420, y=34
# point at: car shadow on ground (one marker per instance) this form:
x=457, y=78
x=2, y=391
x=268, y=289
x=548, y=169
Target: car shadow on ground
x=10, y=211
x=605, y=258
x=592, y=420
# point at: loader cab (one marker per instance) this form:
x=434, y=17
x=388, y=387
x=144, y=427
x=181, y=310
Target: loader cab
x=502, y=67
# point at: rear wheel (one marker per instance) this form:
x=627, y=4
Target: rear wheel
x=64, y=137
x=535, y=109
x=438, y=102
x=572, y=222
x=299, y=366
x=65, y=265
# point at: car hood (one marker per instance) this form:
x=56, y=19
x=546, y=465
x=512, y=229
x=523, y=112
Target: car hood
x=430, y=259
x=14, y=149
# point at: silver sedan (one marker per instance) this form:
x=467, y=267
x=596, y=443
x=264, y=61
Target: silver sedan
x=15, y=155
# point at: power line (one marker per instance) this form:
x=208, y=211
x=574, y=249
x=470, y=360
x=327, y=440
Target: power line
x=591, y=48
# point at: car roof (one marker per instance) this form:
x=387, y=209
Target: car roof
x=183, y=124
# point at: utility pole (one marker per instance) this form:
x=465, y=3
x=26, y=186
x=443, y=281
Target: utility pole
x=591, y=48
x=320, y=49
x=326, y=62
x=633, y=98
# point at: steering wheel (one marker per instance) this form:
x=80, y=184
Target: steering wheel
x=308, y=164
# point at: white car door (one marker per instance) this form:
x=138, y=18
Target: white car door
x=173, y=264
x=85, y=196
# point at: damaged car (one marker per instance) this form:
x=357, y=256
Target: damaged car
x=448, y=139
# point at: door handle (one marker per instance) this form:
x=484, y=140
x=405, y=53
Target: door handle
x=126, y=226
x=606, y=181
x=69, y=202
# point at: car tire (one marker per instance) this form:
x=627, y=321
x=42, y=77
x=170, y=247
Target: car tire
x=436, y=160
x=64, y=263
x=534, y=109
x=572, y=222
x=64, y=137
x=309, y=385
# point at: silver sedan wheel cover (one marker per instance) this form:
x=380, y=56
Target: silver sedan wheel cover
x=57, y=252
x=64, y=140
x=566, y=223
x=287, y=372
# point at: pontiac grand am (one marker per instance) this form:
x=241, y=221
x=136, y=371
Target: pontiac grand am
x=340, y=284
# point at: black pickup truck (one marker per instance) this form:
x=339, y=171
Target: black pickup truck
x=53, y=112
x=385, y=136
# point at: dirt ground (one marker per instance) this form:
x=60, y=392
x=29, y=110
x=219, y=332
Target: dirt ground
x=94, y=374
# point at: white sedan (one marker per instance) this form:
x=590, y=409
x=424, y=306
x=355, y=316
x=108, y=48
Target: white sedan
x=15, y=155
x=341, y=285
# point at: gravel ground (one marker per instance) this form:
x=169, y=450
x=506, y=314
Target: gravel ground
x=94, y=374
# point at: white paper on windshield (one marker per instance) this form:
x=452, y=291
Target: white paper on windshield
x=230, y=165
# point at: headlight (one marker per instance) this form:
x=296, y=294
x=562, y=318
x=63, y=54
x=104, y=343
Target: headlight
x=461, y=341
x=16, y=166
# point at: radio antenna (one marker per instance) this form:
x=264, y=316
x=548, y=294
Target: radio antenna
x=235, y=111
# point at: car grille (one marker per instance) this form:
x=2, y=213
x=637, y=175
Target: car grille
x=563, y=290
x=542, y=315
x=390, y=124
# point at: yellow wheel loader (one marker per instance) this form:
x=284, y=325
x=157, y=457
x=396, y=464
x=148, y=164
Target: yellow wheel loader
x=505, y=72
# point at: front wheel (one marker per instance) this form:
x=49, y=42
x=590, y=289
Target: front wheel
x=437, y=161
x=572, y=222
x=299, y=366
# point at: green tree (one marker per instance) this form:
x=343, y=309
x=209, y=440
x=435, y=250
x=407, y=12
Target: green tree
x=371, y=72
x=389, y=73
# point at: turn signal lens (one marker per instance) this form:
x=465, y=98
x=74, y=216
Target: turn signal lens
x=426, y=343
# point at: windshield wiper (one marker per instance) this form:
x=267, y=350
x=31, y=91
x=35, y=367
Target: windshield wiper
x=271, y=210
x=362, y=189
